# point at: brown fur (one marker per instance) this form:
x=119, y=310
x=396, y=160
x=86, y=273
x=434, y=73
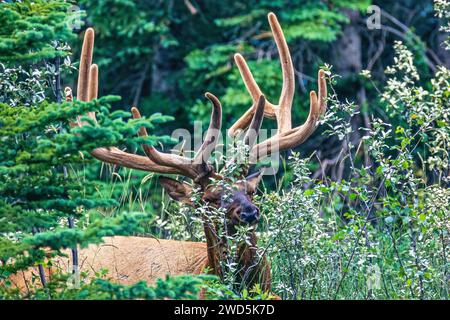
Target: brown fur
x=252, y=269
x=128, y=260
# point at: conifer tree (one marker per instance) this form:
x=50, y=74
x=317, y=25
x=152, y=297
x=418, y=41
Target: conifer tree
x=42, y=185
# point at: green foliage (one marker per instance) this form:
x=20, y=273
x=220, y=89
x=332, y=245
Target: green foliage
x=377, y=229
x=182, y=287
x=216, y=290
x=37, y=192
x=46, y=198
x=151, y=42
x=31, y=29
x=310, y=20
x=212, y=67
x=442, y=8
x=132, y=30
x=383, y=234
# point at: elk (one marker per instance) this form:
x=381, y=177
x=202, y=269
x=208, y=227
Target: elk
x=130, y=259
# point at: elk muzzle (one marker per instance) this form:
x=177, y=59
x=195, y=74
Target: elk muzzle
x=249, y=214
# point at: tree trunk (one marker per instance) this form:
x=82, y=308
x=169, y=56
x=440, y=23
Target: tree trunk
x=161, y=70
x=348, y=48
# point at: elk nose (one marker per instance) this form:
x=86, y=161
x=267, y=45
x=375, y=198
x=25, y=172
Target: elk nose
x=250, y=216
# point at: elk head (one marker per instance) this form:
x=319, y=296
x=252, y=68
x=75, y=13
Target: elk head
x=240, y=209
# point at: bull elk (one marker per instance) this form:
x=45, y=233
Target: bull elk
x=130, y=259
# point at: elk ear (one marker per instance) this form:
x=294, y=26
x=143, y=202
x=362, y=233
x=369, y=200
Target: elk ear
x=251, y=182
x=178, y=191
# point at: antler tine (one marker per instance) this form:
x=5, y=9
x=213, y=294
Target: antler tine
x=196, y=168
x=282, y=111
x=286, y=137
x=93, y=83
x=85, y=65
x=87, y=90
x=255, y=125
x=121, y=158
x=294, y=137
x=137, y=115
x=213, y=133
x=287, y=91
x=182, y=164
x=322, y=91
x=87, y=51
x=252, y=87
x=68, y=94
x=247, y=77
x=92, y=92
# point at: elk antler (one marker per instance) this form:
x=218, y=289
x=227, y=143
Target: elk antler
x=196, y=168
x=286, y=137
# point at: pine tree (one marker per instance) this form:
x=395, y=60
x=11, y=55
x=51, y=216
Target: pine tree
x=45, y=199
x=30, y=29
